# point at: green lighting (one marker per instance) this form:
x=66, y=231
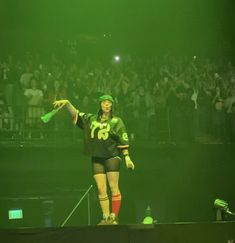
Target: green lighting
x=148, y=220
x=15, y=214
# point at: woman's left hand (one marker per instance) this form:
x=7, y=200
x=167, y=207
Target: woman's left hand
x=129, y=163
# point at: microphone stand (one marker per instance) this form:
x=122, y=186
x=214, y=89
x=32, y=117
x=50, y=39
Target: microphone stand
x=76, y=206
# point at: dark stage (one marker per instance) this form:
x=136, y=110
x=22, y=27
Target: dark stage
x=161, y=233
x=179, y=183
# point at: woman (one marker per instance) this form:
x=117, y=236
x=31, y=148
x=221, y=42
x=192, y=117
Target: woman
x=106, y=141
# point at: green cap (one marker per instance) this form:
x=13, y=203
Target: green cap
x=106, y=97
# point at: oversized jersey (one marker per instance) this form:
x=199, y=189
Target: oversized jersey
x=103, y=139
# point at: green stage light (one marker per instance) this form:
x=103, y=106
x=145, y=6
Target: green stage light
x=15, y=214
x=148, y=219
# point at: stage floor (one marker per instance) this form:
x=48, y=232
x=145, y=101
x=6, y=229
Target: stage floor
x=211, y=232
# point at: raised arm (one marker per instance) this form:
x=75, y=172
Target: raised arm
x=66, y=103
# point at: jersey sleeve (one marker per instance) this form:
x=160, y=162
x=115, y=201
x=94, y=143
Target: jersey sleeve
x=83, y=119
x=121, y=133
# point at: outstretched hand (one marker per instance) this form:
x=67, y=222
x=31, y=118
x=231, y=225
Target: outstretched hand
x=60, y=103
x=129, y=163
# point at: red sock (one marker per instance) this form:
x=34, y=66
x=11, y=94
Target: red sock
x=116, y=203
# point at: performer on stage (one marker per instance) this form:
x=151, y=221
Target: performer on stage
x=106, y=140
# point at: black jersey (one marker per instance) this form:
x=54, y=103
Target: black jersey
x=103, y=138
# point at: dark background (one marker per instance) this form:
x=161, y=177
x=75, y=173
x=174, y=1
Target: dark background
x=139, y=27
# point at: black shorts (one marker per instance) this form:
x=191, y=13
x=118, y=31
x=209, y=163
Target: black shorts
x=103, y=165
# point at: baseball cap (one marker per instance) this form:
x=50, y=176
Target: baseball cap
x=106, y=97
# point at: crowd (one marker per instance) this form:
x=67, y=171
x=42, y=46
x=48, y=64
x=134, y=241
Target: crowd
x=162, y=98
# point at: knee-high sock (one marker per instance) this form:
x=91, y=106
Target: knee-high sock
x=104, y=204
x=116, y=203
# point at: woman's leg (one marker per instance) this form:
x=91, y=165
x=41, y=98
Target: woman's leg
x=103, y=196
x=101, y=182
x=113, y=166
x=113, y=179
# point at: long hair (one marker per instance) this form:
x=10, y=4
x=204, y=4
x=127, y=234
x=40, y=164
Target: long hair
x=100, y=113
x=102, y=98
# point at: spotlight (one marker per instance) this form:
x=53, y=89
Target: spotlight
x=148, y=218
x=218, y=203
x=223, y=205
x=106, y=35
x=116, y=58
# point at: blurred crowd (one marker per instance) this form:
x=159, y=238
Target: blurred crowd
x=162, y=98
